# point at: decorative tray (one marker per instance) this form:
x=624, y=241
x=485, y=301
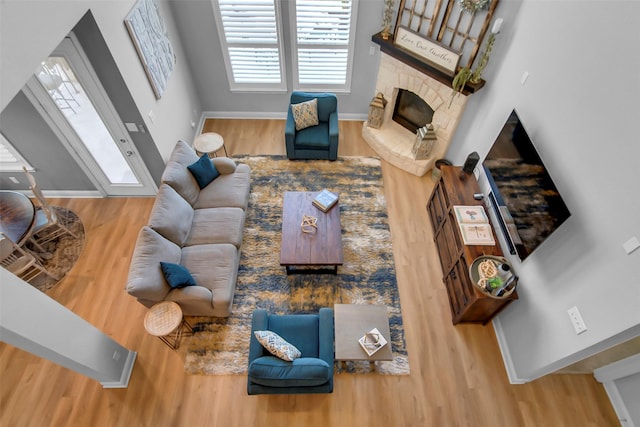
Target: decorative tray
x=483, y=271
x=372, y=341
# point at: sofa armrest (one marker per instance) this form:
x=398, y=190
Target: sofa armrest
x=224, y=165
x=326, y=335
x=259, y=322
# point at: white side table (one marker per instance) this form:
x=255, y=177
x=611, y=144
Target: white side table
x=209, y=143
x=165, y=321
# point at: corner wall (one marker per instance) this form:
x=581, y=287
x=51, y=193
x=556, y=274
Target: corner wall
x=580, y=107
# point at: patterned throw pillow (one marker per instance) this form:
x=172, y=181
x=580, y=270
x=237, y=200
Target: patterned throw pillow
x=277, y=345
x=305, y=114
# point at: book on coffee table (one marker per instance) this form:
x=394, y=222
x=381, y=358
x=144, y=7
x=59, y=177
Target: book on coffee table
x=372, y=341
x=325, y=200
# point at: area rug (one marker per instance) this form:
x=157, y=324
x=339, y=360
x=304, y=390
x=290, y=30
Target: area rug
x=63, y=252
x=221, y=346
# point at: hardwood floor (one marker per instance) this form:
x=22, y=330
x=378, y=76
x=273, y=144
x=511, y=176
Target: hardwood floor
x=457, y=374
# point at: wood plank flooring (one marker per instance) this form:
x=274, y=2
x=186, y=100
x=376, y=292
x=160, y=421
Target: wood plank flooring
x=457, y=374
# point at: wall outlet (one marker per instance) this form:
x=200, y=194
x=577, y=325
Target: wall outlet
x=576, y=320
x=631, y=245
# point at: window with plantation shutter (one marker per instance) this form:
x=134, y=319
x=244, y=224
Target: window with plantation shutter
x=10, y=159
x=250, y=33
x=323, y=46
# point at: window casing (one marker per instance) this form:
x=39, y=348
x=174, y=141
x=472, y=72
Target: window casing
x=322, y=38
x=323, y=43
x=10, y=159
x=251, y=37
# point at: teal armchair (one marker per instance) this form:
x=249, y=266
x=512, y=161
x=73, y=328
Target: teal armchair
x=315, y=142
x=312, y=334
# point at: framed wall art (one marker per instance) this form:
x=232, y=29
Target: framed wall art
x=441, y=57
x=149, y=35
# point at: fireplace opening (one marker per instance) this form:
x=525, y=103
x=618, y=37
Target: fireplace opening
x=411, y=111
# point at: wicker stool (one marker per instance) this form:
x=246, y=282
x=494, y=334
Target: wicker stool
x=164, y=320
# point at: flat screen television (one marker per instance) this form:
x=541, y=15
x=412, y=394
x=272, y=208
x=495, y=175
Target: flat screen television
x=527, y=203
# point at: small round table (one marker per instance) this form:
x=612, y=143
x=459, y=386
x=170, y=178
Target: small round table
x=209, y=143
x=165, y=321
x=17, y=216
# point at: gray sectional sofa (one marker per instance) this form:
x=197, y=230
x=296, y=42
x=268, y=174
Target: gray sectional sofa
x=199, y=229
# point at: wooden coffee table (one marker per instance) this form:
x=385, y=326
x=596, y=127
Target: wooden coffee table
x=351, y=322
x=312, y=253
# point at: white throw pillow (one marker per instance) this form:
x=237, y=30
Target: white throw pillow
x=277, y=345
x=305, y=114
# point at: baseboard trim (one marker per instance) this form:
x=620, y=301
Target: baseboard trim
x=66, y=194
x=265, y=115
x=127, y=369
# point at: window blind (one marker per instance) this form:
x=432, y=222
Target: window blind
x=252, y=39
x=323, y=31
x=10, y=159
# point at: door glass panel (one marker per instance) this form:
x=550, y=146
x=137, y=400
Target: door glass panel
x=63, y=87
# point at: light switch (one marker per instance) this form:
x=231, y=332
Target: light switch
x=631, y=245
x=131, y=127
x=524, y=78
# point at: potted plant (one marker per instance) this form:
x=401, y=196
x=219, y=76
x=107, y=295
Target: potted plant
x=387, y=16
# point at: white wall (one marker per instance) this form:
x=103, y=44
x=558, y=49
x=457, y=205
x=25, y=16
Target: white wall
x=34, y=322
x=30, y=30
x=580, y=107
x=200, y=36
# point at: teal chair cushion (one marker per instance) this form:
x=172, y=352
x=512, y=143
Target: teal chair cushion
x=313, y=138
x=302, y=372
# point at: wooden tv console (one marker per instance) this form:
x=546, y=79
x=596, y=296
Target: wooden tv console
x=468, y=303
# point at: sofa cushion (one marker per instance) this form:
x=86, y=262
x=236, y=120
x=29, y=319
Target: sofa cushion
x=178, y=176
x=146, y=280
x=171, y=215
x=214, y=267
x=304, y=372
x=231, y=190
x=176, y=275
x=217, y=225
x=203, y=171
x=277, y=345
x=305, y=114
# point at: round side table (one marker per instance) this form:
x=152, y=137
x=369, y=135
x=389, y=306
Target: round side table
x=165, y=321
x=209, y=143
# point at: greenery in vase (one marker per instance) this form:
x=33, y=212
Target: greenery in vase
x=387, y=16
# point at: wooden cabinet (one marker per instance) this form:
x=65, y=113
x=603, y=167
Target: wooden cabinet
x=467, y=302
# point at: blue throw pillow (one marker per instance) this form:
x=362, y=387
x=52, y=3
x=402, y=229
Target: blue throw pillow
x=177, y=276
x=204, y=171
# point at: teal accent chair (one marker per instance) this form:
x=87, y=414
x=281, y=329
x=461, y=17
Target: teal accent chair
x=315, y=142
x=312, y=334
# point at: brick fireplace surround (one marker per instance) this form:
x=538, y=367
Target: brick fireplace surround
x=392, y=142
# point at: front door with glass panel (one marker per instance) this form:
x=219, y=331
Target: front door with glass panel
x=69, y=92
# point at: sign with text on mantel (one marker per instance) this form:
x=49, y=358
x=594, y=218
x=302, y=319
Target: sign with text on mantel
x=440, y=57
